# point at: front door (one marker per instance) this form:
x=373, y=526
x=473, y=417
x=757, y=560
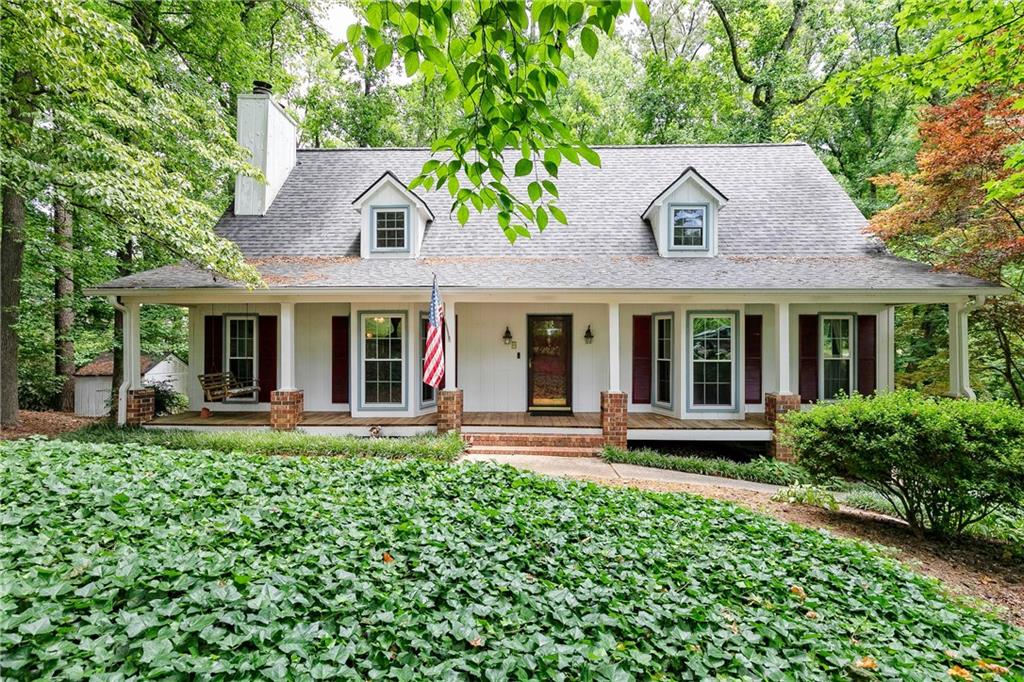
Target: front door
x=549, y=363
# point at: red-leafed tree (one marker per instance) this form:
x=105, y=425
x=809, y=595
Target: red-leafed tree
x=945, y=216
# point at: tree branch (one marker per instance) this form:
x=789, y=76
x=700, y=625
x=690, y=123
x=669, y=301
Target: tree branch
x=733, y=47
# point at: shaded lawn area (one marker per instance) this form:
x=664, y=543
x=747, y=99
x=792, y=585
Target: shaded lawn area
x=145, y=561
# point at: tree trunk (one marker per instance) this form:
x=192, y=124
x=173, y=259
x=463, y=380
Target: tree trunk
x=12, y=257
x=12, y=251
x=63, y=310
x=124, y=256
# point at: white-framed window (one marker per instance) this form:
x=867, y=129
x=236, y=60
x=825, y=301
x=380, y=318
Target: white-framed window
x=688, y=227
x=383, y=359
x=836, y=356
x=661, y=392
x=428, y=394
x=240, y=348
x=390, y=227
x=713, y=360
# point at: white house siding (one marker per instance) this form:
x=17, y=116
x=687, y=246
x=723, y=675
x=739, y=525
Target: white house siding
x=312, y=352
x=884, y=376
x=493, y=375
x=92, y=393
x=171, y=371
x=91, y=396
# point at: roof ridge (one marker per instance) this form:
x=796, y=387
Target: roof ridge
x=596, y=146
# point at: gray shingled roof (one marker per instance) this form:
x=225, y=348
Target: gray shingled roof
x=788, y=224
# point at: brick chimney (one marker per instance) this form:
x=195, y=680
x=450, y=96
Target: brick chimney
x=266, y=130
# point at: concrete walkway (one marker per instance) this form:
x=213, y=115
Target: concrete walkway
x=595, y=467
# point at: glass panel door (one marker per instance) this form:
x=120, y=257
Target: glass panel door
x=549, y=363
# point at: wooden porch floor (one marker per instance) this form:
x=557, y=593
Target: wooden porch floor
x=646, y=420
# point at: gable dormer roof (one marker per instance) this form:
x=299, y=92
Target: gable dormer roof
x=688, y=175
x=390, y=178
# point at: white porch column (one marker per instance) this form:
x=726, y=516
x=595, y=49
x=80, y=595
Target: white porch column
x=959, y=358
x=782, y=347
x=450, y=350
x=131, y=347
x=287, y=355
x=613, y=347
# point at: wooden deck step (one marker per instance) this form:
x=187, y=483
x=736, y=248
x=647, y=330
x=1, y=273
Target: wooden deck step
x=546, y=451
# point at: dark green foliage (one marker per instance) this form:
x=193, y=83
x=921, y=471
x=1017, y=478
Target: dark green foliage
x=760, y=470
x=942, y=464
x=139, y=561
x=445, y=448
x=166, y=399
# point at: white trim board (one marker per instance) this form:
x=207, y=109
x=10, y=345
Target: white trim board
x=557, y=430
x=750, y=435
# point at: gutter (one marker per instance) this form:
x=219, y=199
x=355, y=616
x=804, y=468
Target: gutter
x=122, y=390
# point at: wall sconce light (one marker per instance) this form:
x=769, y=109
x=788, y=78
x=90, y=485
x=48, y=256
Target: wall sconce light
x=588, y=336
x=507, y=336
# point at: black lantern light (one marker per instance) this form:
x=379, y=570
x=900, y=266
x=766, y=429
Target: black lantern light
x=507, y=336
x=588, y=336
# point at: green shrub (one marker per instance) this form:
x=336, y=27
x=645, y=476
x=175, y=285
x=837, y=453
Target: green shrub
x=808, y=495
x=444, y=448
x=136, y=562
x=760, y=470
x=942, y=464
x=166, y=399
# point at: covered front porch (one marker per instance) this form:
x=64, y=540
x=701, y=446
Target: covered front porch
x=641, y=426
x=615, y=365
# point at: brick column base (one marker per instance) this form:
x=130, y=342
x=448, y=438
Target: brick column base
x=286, y=409
x=613, y=418
x=449, y=410
x=140, y=406
x=776, y=405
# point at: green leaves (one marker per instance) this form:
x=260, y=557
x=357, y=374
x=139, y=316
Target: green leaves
x=588, y=39
x=245, y=567
x=501, y=62
x=523, y=167
x=144, y=158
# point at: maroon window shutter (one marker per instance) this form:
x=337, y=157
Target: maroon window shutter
x=213, y=344
x=642, y=359
x=268, y=356
x=752, y=363
x=867, y=353
x=339, y=359
x=808, y=354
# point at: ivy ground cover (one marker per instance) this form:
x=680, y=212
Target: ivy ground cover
x=122, y=562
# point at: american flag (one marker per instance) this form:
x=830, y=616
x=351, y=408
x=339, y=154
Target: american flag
x=433, y=355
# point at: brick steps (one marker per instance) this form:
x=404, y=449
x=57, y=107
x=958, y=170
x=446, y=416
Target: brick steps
x=548, y=444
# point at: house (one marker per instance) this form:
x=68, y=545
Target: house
x=94, y=380
x=697, y=292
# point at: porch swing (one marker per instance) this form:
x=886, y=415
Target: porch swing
x=220, y=386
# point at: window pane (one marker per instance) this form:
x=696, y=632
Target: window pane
x=688, y=226
x=712, y=369
x=382, y=360
x=389, y=229
x=837, y=378
x=663, y=360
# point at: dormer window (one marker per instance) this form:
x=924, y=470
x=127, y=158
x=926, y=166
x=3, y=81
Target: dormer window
x=684, y=217
x=394, y=219
x=390, y=229
x=689, y=227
